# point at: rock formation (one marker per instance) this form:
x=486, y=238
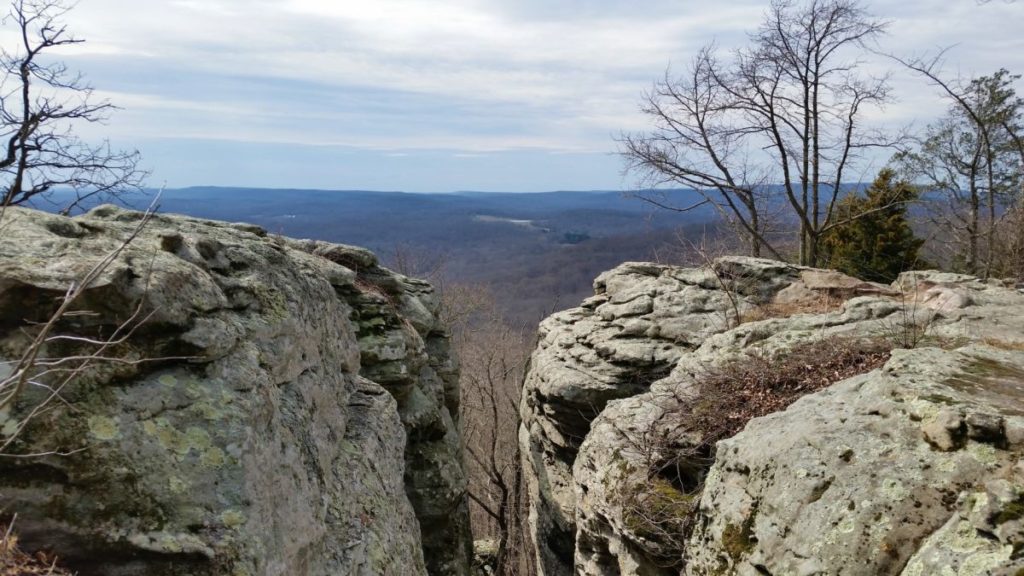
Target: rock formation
x=910, y=469
x=285, y=408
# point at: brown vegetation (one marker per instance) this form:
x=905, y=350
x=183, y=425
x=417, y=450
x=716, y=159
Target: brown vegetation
x=732, y=395
x=1008, y=257
x=679, y=447
x=494, y=355
x=1014, y=346
x=15, y=562
x=821, y=305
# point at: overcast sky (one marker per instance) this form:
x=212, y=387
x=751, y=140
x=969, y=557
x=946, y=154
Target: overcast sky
x=437, y=95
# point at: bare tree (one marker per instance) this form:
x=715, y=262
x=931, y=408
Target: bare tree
x=419, y=262
x=41, y=103
x=974, y=157
x=696, y=145
x=493, y=358
x=784, y=118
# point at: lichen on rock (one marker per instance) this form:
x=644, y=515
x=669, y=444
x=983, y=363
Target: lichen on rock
x=878, y=473
x=259, y=429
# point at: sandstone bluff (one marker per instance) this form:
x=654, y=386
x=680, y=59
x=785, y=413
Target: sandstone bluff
x=911, y=469
x=303, y=424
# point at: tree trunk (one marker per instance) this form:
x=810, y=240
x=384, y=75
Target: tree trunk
x=755, y=237
x=972, y=228
x=991, y=233
x=812, y=249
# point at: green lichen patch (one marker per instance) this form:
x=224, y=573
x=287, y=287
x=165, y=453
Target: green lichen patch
x=194, y=440
x=738, y=539
x=213, y=457
x=103, y=428
x=232, y=518
x=272, y=302
x=177, y=485
x=197, y=438
x=894, y=490
x=206, y=411
x=984, y=453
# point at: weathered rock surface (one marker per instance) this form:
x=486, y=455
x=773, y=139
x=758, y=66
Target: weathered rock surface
x=914, y=468
x=852, y=481
x=294, y=415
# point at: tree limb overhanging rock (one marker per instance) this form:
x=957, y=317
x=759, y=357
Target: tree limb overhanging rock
x=302, y=422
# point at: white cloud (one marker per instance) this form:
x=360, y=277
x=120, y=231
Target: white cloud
x=472, y=75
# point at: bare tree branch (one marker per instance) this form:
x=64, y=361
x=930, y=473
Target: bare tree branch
x=32, y=368
x=40, y=152
x=783, y=119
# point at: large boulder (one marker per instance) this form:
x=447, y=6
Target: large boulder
x=642, y=320
x=876, y=474
x=280, y=407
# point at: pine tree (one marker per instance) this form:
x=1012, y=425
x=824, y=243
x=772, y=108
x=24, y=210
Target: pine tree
x=879, y=243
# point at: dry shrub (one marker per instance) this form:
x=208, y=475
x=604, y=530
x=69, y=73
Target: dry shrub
x=681, y=444
x=910, y=325
x=1014, y=346
x=15, y=562
x=1008, y=245
x=662, y=515
x=821, y=305
x=730, y=396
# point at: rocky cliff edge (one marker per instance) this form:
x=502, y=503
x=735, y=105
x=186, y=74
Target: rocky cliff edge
x=910, y=468
x=280, y=407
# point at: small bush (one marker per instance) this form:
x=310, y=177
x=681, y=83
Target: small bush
x=909, y=326
x=663, y=509
x=659, y=512
x=731, y=395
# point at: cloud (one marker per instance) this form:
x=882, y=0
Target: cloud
x=477, y=76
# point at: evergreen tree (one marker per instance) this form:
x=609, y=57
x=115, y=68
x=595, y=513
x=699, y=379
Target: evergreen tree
x=879, y=243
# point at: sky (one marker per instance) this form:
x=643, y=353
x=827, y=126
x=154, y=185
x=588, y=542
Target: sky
x=439, y=95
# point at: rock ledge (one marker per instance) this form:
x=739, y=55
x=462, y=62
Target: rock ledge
x=914, y=468
x=301, y=420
